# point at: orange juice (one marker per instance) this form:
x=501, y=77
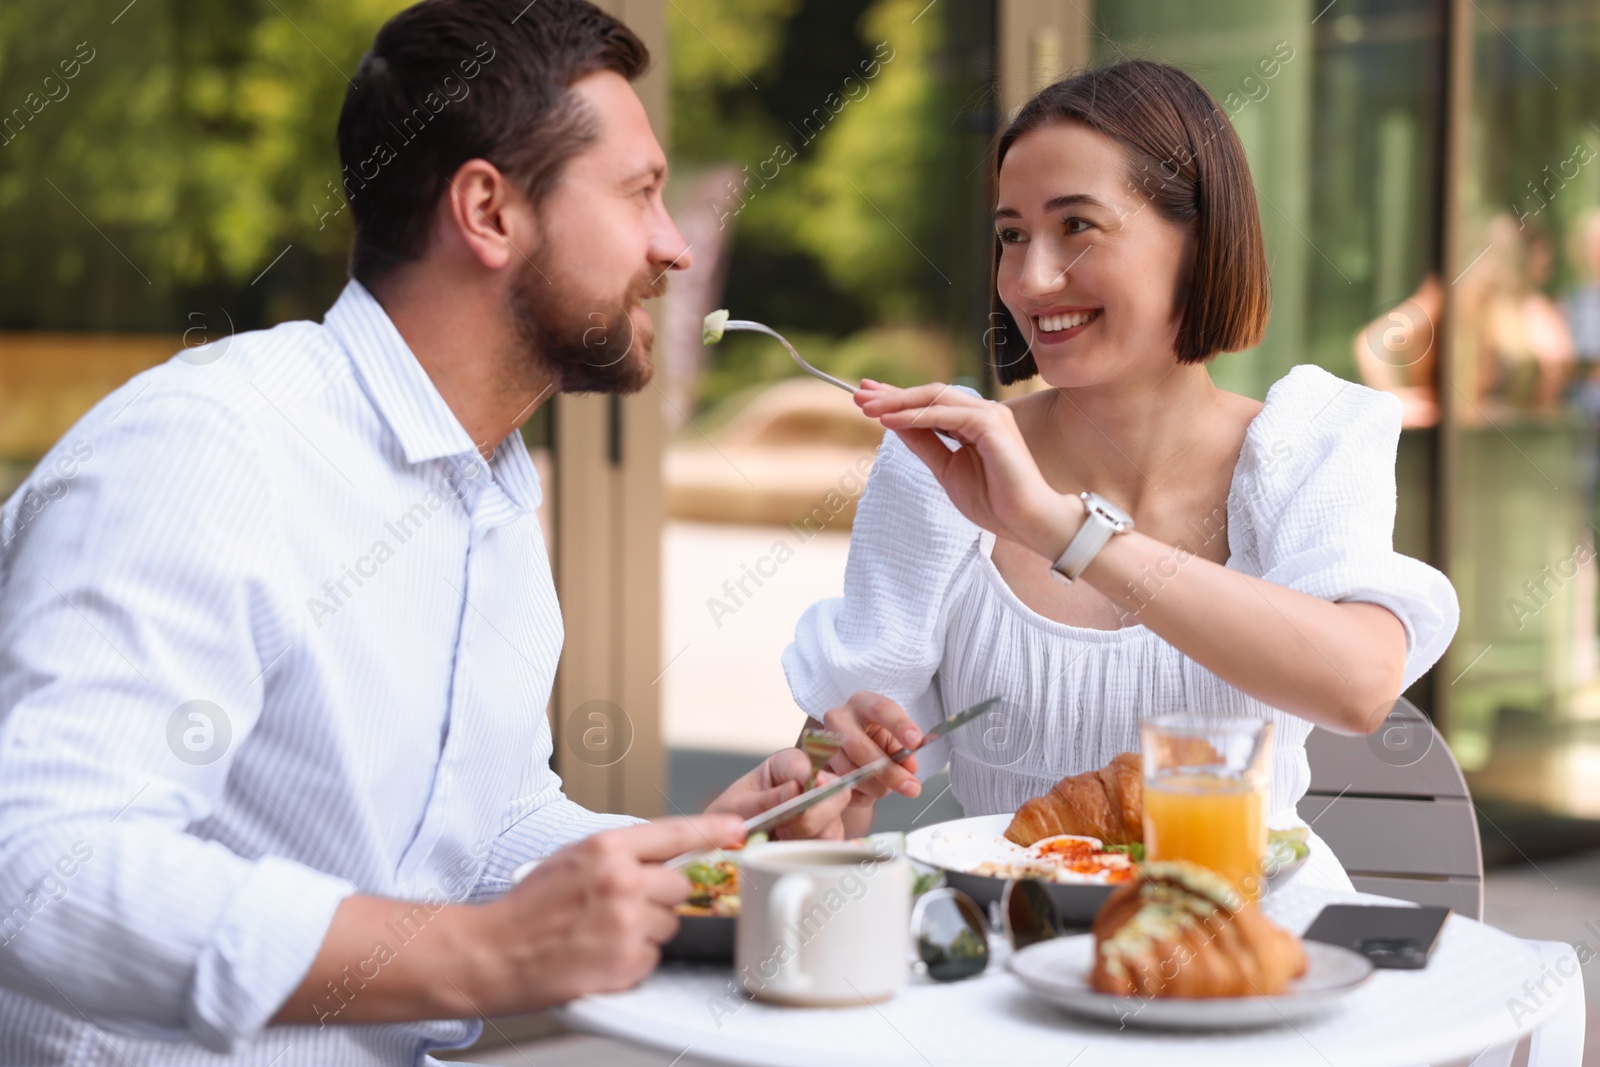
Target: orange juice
x=1218, y=822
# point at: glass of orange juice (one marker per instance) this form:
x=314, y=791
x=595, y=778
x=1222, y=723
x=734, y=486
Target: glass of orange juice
x=1206, y=784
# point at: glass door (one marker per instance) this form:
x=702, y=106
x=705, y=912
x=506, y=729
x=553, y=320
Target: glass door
x=1521, y=402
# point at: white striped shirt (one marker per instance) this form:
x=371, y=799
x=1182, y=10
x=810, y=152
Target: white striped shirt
x=271, y=632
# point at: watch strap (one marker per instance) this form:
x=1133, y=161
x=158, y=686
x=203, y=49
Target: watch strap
x=1097, y=529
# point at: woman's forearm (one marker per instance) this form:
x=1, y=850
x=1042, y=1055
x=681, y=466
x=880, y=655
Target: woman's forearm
x=1339, y=665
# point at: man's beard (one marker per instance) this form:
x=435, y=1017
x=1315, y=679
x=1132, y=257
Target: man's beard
x=587, y=346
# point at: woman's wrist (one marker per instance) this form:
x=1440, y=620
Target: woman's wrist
x=1055, y=523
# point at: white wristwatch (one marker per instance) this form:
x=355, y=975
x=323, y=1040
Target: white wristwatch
x=1104, y=519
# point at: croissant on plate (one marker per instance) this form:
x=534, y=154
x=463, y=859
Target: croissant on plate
x=1107, y=803
x=1181, y=930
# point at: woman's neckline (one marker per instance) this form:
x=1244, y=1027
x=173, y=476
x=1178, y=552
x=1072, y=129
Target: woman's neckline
x=986, y=542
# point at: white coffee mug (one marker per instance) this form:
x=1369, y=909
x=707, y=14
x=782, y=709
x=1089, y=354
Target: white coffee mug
x=823, y=923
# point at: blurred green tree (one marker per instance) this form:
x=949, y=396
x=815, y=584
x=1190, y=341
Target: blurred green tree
x=857, y=128
x=722, y=51
x=878, y=188
x=192, y=148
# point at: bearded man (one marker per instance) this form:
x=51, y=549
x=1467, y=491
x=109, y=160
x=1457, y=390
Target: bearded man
x=274, y=669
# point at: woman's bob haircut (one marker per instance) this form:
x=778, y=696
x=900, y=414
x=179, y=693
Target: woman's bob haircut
x=1185, y=160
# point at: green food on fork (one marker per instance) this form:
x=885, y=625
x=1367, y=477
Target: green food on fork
x=819, y=747
x=718, y=323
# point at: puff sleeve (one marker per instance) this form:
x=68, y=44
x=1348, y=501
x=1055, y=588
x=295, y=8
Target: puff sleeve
x=1314, y=508
x=886, y=634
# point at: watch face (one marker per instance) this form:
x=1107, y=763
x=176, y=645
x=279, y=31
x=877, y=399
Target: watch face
x=1099, y=503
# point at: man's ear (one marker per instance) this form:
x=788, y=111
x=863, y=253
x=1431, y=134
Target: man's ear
x=488, y=215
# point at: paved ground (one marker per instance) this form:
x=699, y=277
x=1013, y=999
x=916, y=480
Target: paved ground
x=723, y=687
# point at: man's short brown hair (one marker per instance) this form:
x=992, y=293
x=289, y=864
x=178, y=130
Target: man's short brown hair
x=448, y=81
x=1185, y=160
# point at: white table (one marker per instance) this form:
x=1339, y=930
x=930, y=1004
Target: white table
x=1456, y=1007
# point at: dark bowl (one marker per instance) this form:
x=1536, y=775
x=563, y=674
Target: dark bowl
x=701, y=939
x=1076, y=904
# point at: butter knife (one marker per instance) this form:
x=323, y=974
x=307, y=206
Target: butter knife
x=772, y=818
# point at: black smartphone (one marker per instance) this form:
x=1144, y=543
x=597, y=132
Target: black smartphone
x=1388, y=936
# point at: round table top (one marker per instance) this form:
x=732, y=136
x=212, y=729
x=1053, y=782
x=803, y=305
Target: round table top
x=1457, y=1006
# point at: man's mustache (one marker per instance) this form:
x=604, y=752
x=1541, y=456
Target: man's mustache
x=646, y=288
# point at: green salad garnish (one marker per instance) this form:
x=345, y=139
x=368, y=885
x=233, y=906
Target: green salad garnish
x=705, y=874
x=1286, y=847
x=924, y=879
x=714, y=326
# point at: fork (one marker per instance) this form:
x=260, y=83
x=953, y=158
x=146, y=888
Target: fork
x=819, y=745
x=718, y=322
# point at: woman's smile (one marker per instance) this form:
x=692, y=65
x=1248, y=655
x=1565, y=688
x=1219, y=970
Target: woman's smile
x=1054, y=325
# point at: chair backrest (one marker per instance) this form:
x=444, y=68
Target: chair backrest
x=1395, y=809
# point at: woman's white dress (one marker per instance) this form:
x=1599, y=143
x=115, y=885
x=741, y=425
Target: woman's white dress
x=927, y=620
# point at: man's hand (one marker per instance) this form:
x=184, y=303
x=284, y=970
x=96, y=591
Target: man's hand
x=783, y=776
x=590, y=919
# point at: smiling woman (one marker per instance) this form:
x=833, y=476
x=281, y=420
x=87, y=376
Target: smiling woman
x=1131, y=540
x=1168, y=132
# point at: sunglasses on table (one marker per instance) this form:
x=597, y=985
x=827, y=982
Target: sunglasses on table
x=952, y=933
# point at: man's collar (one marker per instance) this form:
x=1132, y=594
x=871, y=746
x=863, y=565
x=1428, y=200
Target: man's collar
x=513, y=469
x=400, y=388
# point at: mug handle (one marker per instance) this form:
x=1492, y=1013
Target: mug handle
x=783, y=909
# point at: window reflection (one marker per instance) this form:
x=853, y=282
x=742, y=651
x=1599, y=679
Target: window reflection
x=1514, y=349
x=1582, y=308
x=1523, y=341
x=1398, y=353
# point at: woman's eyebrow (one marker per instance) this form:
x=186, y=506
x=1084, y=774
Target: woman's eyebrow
x=1056, y=204
x=1074, y=200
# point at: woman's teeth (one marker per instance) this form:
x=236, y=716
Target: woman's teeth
x=1055, y=323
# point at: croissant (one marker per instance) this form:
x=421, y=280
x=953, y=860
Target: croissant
x=1107, y=803
x=1184, y=931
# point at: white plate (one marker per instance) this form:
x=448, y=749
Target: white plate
x=1058, y=971
x=919, y=842
x=963, y=844
x=921, y=846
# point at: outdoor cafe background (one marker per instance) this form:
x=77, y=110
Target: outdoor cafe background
x=1428, y=181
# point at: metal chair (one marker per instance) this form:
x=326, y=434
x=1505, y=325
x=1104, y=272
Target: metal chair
x=1395, y=809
